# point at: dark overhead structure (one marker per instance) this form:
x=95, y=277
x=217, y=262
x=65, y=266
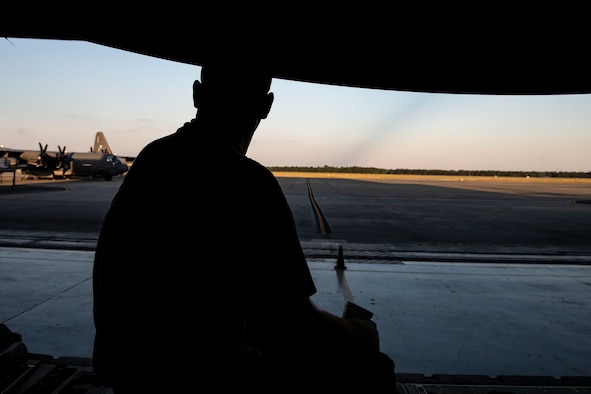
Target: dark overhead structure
x=500, y=53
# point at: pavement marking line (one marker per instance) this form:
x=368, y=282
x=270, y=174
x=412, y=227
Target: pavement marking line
x=319, y=218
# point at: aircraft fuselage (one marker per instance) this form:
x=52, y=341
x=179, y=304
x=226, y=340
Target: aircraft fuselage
x=93, y=164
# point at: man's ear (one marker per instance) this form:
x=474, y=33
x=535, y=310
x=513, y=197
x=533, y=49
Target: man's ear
x=267, y=105
x=197, y=92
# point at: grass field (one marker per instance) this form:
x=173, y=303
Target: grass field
x=397, y=177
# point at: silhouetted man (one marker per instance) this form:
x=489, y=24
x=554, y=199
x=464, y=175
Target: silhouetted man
x=211, y=288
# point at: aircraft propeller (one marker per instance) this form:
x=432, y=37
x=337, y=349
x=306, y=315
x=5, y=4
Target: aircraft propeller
x=63, y=160
x=43, y=156
x=51, y=163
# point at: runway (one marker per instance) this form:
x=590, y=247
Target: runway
x=402, y=214
x=462, y=280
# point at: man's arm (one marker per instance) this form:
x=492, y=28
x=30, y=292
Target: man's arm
x=348, y=331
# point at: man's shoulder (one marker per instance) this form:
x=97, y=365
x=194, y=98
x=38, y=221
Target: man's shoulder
x=168, y=144
x=257, y=168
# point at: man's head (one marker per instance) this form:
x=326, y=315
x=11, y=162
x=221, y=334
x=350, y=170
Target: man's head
x=232, y=99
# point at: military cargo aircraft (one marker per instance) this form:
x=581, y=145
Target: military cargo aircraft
x=100, y=162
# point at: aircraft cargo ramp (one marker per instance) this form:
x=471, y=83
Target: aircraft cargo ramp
x=46, y=375
x=533, y=336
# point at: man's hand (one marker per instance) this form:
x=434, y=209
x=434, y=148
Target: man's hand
x=354, y=310
x=363, y=332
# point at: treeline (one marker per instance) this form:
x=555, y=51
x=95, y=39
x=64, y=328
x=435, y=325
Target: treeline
x=406, y=171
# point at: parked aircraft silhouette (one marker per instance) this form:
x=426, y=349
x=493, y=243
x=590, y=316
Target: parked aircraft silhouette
x=100, y=162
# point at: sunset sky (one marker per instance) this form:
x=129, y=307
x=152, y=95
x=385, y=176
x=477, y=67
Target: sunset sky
x=63, y=92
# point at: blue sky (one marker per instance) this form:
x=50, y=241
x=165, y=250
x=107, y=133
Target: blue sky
x=63, y=92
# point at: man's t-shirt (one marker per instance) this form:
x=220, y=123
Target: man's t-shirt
x=196, y=238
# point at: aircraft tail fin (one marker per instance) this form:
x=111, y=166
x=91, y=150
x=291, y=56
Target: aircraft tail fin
x=101, y=144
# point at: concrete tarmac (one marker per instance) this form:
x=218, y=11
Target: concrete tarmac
x=468, y=307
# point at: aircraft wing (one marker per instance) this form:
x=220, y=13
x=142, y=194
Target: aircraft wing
x=10, y=164
x=11, y=161
x=11, y=157
x=492, y=50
